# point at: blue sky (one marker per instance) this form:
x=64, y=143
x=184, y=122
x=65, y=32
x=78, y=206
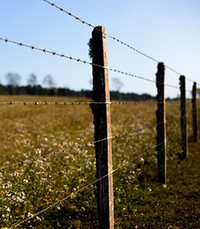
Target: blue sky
x=166, y=30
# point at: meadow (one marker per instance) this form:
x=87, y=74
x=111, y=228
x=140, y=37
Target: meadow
x=32, y=131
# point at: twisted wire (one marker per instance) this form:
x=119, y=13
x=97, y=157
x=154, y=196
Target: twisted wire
x=88, y=103
x=176, y=87
x=116, y=39
x=76, y=147
x=83, y=61
x=85, y=187
x=75, y=59
x=50, y=103
x=94, y=27
x=178, y=73
x=74, y=103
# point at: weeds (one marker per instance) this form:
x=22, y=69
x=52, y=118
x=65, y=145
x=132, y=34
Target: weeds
x=31, y=131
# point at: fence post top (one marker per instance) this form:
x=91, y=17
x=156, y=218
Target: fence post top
x=161, y=66
x=99, y=27
x=182, y=77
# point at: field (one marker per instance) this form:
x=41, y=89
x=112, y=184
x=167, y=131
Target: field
x=32, y=131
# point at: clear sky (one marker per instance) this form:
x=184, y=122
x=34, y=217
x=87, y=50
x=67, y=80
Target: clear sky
x=168, y=30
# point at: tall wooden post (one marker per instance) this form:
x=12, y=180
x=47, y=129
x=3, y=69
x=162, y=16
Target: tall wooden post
x=161, y=124
x=194, y=111
x=102, y=123
x=183, y=117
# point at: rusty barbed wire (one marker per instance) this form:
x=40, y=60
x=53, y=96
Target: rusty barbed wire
x=86, y=187
x=116, y=39
x=77, y=147
x=83, y=61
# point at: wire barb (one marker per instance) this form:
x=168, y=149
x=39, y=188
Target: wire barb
x=77, y=59
x=85, y=62
x=116, y=39
x=78, y=103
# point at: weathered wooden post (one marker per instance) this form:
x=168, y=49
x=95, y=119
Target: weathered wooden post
x=194, y=111
x=183, y=117
x=161, y=124
x=102, y=123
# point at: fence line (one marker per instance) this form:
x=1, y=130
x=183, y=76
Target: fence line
x=150, y=101
x=84, y=62
x=92, y=26
x=160, y=144
x=85, y=187
x=116, y=39
x=74, y=103
x=74, y=59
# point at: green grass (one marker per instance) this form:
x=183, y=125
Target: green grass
x=140, y=202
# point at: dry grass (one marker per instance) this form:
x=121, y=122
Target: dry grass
x=32, y=131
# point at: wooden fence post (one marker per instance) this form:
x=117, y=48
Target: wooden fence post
x=183, y=117
x=161, y=124
x=102, y=123
x=194, y=111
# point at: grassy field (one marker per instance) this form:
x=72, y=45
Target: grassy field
x=30, y=131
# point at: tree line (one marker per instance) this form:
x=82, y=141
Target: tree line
x=49, y=89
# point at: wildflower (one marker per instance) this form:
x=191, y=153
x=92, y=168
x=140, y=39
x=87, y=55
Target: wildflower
x=7, y=208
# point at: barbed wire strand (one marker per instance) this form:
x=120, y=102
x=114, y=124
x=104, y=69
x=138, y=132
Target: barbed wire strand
x=178, y=73
x=75, y=59
x=50, y=103
x=85, y=187
x=77, y=146
x=75, y=103
x=114, y=38
x=151, y=101
x=84, y=62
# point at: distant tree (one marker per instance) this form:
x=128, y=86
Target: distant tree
x=117, y=84
x=13, y=82
x=3, y=90
x=13, y=79
x=53, y=92
x=49, y=82
x=32, y=80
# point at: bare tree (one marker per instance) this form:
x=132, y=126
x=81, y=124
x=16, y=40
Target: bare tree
x=32, y=80
x=117, y=84
x=13, y=79
x=48, y=81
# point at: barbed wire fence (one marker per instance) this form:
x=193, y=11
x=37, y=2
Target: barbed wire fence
x=114, y=38
x=101, y=104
